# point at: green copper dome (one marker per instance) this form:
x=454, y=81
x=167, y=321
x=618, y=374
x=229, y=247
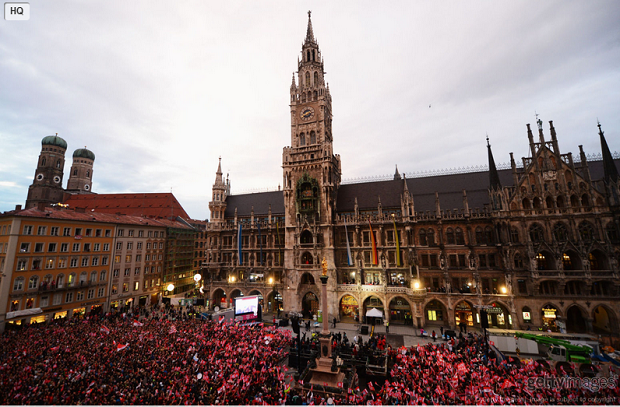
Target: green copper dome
x=54, y=141
x=84, y=153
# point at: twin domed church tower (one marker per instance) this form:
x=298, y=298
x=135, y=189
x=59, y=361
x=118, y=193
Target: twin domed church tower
x=47, y=187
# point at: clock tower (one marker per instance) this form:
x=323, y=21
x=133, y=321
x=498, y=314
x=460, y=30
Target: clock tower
x=311, y=170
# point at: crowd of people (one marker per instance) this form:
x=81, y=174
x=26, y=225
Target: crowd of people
x=151, y=360
x=175, y=358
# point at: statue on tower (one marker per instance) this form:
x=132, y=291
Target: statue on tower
x=324, y=266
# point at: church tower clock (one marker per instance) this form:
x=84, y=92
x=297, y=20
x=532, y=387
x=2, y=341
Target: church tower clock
x=311, y=171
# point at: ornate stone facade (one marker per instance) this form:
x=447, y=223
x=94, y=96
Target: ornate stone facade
x=538, y=244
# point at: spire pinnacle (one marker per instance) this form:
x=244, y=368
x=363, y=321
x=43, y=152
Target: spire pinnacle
x=309, y=33
x=494, y=182
x=611, y=172
x=396, y=174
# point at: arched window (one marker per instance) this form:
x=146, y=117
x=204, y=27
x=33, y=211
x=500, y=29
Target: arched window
x=315, y=95
x=43, y=161
x=612, y=232
x=586, y=231
x=102, y=275
x=75, y=171
x=302, y=139
x=574, y=201
x=71, y=281
x=316, y=79
x=518, y=261
x=303, y=97
x=536, y=233
x=479, y=236
x=308, y=79
x=585, y=200
x=33, y=282
x=93, y=277
x=560, y=202
x=306, y=258
x=459, y=236
x=312, y=137
x=560, y=232
x=58, y=164
x=526, y=204
x=60, y=280
x=450, y=236
x=430, y=237
x=87, y=173
x=18, y=284
x=514, y=235
x=308, y=56
x=423, y=240
x=314, y=55
x=489, y=235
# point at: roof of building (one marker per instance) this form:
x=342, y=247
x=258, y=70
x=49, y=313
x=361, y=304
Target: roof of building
x=60, y=213
x=84, y=153
x=448, y=187
x=153, y=205
x=259, y=201
x=54, y=141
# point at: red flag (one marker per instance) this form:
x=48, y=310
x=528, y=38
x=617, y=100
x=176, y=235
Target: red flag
x=104, y=329
x=340, y=384
x=374, y=246
x=137, y=323
x=120, y=347
x=173, y=329
x=370, y=386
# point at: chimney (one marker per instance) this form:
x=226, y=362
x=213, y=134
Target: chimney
x=18, y=207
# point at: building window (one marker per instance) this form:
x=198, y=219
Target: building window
x=514, y=235
x=89, y=232
x=139, y=245
x=66, y=231
x=62, y=263
x=102, y=275
x=41, y=230
x=104, y=261
x=33, y=282
x=136, y=286
x=51, y=247
x=18, y=285
x=130, y=233
x=96, y=247
x=76, y=247
x=78, y=231
x=140, y=234
x=54, y=231
x=101, y=292
x=106, y=247
x=114, y=289
x=108, y=233
x=49, y=264
x=91, y=294
x=95, y=261
x=57, y=298
x=74, y=262
x=38, y=247
x=98, y=232
x=120, y=232
x=137, y=271
x=79, y=296
x=459, y=236
x=24, y=248
x=84, y=261
x=128, y=258
x=450, y=236
x=27, y=230
x=125, y=287
x=138, y=257
x=522, y=286
x=129, y=245
x=127, y=272
x=536, y=233
x=119, y=246
x=116, y=272
x=64, y=247
x=117, y=259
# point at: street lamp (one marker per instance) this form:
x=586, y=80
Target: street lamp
x=416, y=285
x=504, y=290
x=197, y=277
x=170, y=287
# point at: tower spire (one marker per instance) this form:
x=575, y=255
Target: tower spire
x=396, y=174
x=494, y=182
x=309, y=32
x=611, y=172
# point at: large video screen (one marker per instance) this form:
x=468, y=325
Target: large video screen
x=246, y=307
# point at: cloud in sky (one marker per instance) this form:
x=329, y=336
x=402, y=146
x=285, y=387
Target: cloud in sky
x=159, y=90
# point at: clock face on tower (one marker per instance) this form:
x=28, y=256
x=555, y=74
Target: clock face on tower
x=307, y=113
x=57, y=179
x=40, y=177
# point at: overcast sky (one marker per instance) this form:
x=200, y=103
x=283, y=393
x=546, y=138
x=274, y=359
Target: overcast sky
x=158, y=90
